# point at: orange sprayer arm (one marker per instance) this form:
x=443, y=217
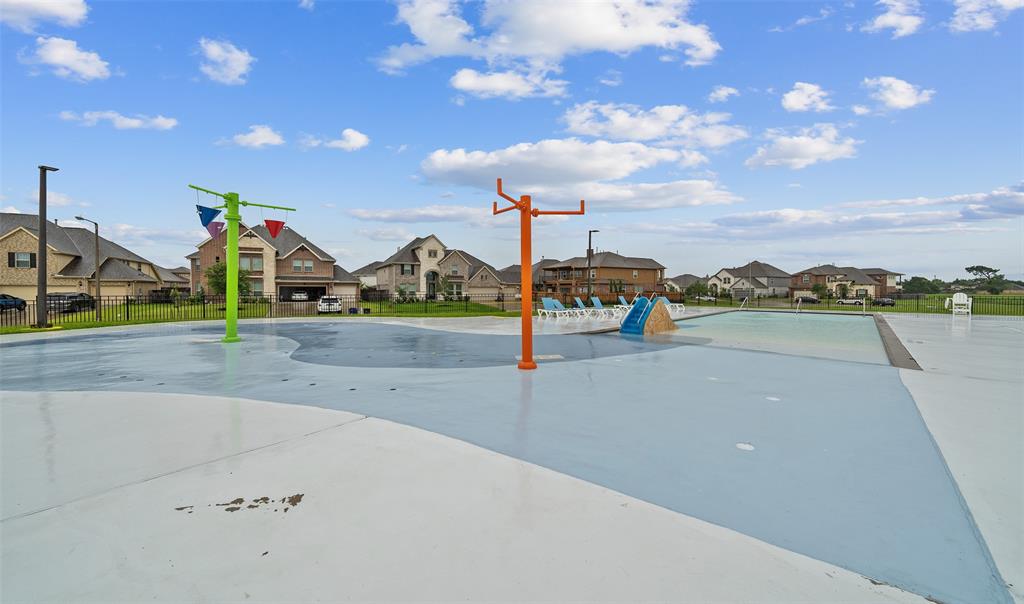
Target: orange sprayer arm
x=502, y=194
x=503, y=210
x=582, y=210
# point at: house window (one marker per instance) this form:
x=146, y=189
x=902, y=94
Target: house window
x=408, y=269
x=296, y=266
x=21, y=260
x=307, y=266
x=593, y=273
x=456, y=289
x=257, y=287
x=483, y=277
x=577, y=274
x=564, y=275
x=251, y=263
x=727, y=280
x=431, y=253
x=455, y=269
x=636, y=274
x=806, y=278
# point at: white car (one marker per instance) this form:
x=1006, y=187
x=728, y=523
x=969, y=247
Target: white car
x=299, y=296
x=328, y=304
x=856, y=301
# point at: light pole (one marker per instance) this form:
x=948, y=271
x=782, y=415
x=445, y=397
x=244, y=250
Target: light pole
x=590, y=255
x=97, y=299
x=41, y=319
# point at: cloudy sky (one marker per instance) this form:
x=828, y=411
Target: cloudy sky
x=703, y=134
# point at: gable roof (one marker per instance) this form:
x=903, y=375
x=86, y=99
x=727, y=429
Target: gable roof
x=289, y=240
x=852, y=274
x=685, y=280
x=369, y=270
x=759, y=269
x=822, y=269
x=512, y=273
x=879, y=271
x=56, y=237
x=474, y=264
x=407, y=253
x=608, y=260
x=168, y=275
x=343, y=276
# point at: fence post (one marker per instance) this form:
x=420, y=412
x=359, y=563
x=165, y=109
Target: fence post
x=127, y=310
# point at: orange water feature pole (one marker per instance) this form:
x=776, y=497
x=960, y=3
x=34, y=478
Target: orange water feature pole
x=526, y=214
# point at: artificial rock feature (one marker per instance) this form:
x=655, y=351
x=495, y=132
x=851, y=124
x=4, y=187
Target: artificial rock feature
x=659, y=320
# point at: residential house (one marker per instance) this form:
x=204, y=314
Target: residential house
x=889, y=283
x=610, y=273
x=425, y=266
x=71, y=262
x=754, y=279
x=278, y=266
x=857, y=282
x=367, y=275
x=513, y=273
x=679, y=283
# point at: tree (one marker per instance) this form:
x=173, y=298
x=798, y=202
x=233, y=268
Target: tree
x=921, y=285
x=217, y=278
x=842, y=290
x=819, y=290
x=981, y=271
x=697, y=288
x=995, y=285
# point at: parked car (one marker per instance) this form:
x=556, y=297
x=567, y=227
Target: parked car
x=9, y=302
x=807, y=300
x=854, y=301
x=70, y=302
x=883, y=302
x=328, y=304
x=300, y=296
x=706, y=298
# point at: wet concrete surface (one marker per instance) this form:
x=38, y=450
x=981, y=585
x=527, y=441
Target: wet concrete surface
x=842, y=467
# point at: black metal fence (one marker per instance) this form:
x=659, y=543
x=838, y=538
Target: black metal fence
x=982, y=304
x=117, y=310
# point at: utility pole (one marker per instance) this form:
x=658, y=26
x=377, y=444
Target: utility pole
x=590, y=255
x=98, y=300
x=526, y=214
x=41, y=273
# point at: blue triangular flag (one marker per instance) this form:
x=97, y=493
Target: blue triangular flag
x=206, y=215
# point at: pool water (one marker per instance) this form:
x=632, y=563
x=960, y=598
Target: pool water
x=840, y=337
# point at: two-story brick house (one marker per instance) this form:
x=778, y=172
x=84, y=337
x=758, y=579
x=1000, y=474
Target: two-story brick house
x=71, y=262
x=610, y=273
x=872, y=283
x=754, y=279
x=278, y=266
x=425, y=266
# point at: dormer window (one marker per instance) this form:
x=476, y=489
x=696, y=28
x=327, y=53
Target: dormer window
x=431, y=253
x=455, y=269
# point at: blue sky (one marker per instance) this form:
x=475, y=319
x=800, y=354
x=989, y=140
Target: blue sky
x=873, y=134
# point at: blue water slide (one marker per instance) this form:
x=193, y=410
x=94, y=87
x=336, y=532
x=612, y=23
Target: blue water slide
x=637, y=316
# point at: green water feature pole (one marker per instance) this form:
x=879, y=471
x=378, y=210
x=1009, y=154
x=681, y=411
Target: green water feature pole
x=233, y=217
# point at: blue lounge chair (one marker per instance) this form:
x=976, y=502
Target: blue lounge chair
x=609, y=311
x=587, y=311
x=554, y=308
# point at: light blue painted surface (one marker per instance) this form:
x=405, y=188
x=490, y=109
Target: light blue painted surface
x=843, y=468
x=633, y=323
x=842, y=337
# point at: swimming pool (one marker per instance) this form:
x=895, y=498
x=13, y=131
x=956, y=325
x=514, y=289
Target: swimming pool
x=841, y=337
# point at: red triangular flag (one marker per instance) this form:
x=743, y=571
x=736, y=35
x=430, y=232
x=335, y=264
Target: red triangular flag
x=274, y=226
x=215, y=228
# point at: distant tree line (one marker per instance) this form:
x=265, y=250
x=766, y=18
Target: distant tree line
x=985, y=278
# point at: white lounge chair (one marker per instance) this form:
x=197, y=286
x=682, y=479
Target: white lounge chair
x=611, y=312
x=960, y=304
x=587, y=312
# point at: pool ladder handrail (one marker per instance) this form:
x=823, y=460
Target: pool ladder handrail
x=744, y=302
x=798, y=302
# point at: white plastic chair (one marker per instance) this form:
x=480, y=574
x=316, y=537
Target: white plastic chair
x=960, y=304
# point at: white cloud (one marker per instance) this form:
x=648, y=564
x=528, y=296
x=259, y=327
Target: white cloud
x=351, y=140
x=1009, y=200
x=611, y=78
x=562, y=171
x=223, y=62
x=980, y=15
x=671, y=124
x=903, y=17
x=53, y=198
x=67, y=60
x=508, y=84
x=10, y=210
x=24, y=15
x=807, y=146
x=387, y=234
x=895, y=93
x=532, y=39
x=860, y=110
x=432, y=213
x=823, y=14
x=720, y=94
x=806, y=97
x=259, y=136
x=307, y=4
x=120, y=122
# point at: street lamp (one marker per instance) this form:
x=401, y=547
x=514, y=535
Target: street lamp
x=98, y=300
x=590, y=255
x=41, y=273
